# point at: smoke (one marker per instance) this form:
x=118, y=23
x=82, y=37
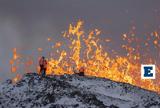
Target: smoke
x=26, y=24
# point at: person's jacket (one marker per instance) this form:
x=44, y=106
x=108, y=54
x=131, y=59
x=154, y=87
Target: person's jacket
x=43, y=63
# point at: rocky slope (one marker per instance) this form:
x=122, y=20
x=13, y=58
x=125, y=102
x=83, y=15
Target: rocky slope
x=73, y=91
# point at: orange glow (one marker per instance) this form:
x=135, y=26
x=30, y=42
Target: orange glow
x=48, y=39
x=40, y=49
x=16, y=78
x=15, y=55
x=85, y=50
x=108, y=40
x=13, y=69
x=155, y=42
x=96, y=61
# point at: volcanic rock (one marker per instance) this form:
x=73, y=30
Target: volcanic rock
x=74, y=91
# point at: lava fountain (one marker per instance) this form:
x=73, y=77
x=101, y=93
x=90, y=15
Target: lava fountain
x=84, y=49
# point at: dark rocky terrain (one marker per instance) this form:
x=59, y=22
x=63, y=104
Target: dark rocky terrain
x=73, y=91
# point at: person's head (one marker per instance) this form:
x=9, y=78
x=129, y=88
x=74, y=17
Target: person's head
x=82, y=69
x=43, y=57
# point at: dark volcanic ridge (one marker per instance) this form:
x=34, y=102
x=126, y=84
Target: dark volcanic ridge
x=73, y=91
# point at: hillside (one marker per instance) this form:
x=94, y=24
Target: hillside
x=73, y=91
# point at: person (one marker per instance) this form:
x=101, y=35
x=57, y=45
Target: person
x=81, y=71
x=43, y=66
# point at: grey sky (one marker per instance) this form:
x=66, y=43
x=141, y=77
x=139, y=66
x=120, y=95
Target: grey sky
x=28, y=22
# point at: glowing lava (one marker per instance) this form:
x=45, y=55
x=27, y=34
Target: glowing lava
x=84, y=49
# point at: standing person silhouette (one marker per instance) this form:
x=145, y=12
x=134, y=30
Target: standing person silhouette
x=43, y=66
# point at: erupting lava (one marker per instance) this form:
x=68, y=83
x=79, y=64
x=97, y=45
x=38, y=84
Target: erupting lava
x=84, y=49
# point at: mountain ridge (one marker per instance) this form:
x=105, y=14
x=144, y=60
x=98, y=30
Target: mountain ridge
x=73, y=91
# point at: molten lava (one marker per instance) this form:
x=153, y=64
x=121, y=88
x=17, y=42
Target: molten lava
x=84, y=49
